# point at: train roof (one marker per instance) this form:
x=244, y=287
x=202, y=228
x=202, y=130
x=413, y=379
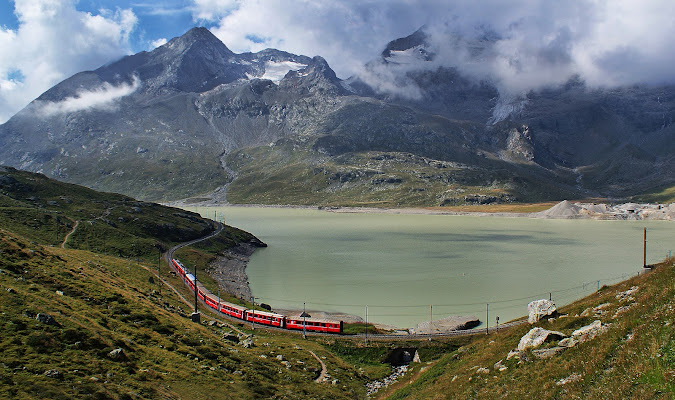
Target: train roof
x=267, y=313
x=328, y=321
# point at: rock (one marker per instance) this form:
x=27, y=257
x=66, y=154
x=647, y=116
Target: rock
x=628, y=293
x=589, y=332
x=60, y=293
x=539, y=309
x=117, y=354
x=482, y=370
x=513, y=353
x=11, y=291
x=47, y=319
x=280, y=357
x=569, y=379
x=499, y=366
x=416, y=358
x=287, y=364
x=548, y=353
x=231, y=338
x=444, y=325
x=600, y=309
x=247, y=343
x=568, y=342
x=53, y=373
x=537, y=336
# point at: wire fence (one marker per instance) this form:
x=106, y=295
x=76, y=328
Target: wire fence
x=422, y=311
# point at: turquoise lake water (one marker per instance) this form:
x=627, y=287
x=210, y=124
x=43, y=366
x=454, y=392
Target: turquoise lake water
x=400, y=265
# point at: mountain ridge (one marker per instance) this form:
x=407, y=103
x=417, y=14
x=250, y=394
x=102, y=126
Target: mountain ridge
x=169, y=122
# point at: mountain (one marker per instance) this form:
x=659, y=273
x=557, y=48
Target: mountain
x=192, y=119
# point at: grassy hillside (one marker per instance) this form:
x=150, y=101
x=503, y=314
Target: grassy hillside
x=634, y=358
x=79, y=321
x=46, y=211
x=289, y=173
x=99, y=304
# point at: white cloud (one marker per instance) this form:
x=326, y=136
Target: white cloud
x=103, y=98
x=211, y=10
x=53, y=41
x=538, y=42
x=156, y=43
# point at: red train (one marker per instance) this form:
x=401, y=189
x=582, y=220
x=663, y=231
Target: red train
x=260, y=316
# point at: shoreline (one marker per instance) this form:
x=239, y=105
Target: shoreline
x=229, y=269
x=563, y=210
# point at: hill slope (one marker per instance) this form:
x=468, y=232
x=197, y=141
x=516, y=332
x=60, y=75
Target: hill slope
x=634, y=357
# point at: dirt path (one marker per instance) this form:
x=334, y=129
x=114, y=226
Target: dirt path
x=65, y=239
x=324, y=371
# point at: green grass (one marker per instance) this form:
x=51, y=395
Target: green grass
x=291, y=174
x=45, y=211
x=633, y=359
x=664, y=196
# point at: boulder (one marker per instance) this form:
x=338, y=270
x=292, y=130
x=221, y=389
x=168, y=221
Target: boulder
x=536, y=336
x=444, y=325
x=589, y=332
x=47, y=319
x=117, y=354
x=539, y=309
x=54, y=374
x=548, y=353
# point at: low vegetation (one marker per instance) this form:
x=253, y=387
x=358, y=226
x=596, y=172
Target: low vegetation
x=633, y=359
x=87, y=317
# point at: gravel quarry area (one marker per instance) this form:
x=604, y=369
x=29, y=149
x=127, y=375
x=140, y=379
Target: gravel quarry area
x=563, y=210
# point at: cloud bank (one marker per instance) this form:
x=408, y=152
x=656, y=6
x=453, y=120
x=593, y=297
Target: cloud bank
x=534, y=43
x=103, y=98
x=52, y=42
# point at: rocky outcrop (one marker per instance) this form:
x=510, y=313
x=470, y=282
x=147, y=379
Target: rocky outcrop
x=539, y=309
x=537, y=336
x=444, y=325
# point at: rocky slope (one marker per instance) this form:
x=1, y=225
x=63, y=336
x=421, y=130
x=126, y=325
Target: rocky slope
x=191, y=117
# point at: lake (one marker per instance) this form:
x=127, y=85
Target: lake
x=400, y=265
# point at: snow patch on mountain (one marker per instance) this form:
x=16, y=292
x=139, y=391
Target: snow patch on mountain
x=276, y=70
x=411, y=56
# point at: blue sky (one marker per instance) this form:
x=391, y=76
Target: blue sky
x=541, y=42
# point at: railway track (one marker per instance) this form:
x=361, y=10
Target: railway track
x=168, y=256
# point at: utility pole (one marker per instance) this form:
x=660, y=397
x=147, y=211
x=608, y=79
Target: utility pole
x=195, y=315
x=431, y=321
x=644, y=249
x=487, y=318
x=366, y=325
x=304, y=321
x=253, y=315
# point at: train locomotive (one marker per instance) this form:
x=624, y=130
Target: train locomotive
x=256, y=316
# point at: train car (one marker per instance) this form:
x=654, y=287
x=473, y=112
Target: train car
x=265, y=318
x=233, y=310
x=260, y=316
x=313, y=324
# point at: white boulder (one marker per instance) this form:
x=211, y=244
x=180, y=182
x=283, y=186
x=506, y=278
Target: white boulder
x=539, y=309
x=537, y=336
